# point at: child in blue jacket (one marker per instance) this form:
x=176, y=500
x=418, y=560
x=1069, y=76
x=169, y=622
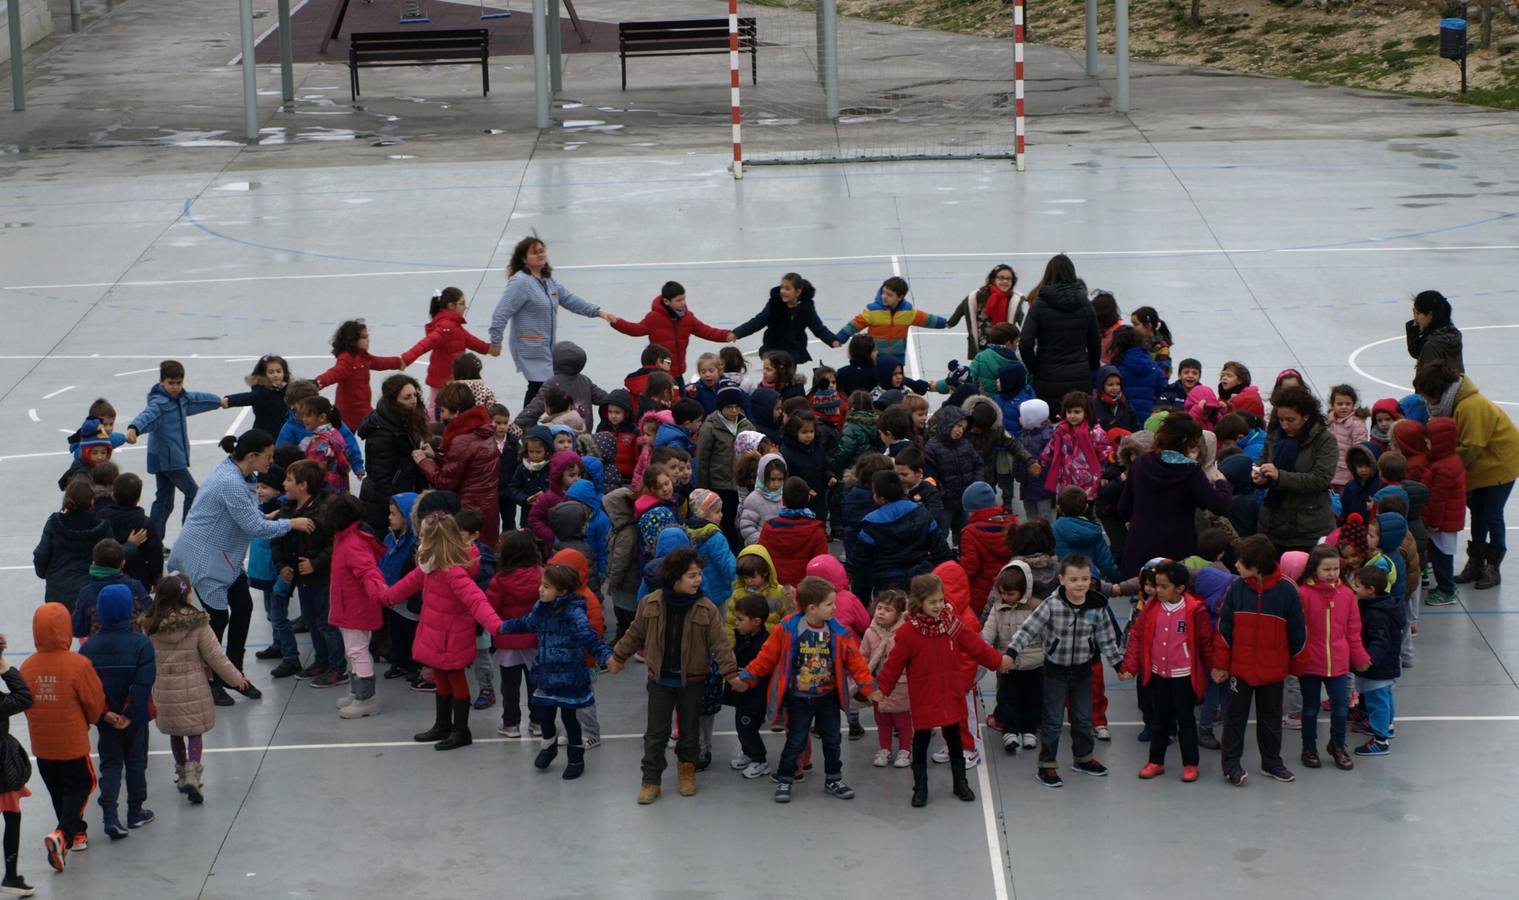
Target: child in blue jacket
x=124, y=661
x=1074, y=533
x=164, y=421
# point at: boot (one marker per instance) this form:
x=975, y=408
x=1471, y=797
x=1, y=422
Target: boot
x=363, y=703
x=460, y=736
x=112, y=823
x=546, y=754
x=685, y=774
x=1489, y=577
x=1476, y=553
x=349, y=698
x=442, y=725
x=957, y=773
x=920, y=779
x=179, y=778
x=193, y=771
x=576, y=766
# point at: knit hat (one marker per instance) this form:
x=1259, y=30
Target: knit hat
x=702, y=501
x=1353, y=534
x=274, y=477
x=745, y=441
x=92, y=434
x=1033, y=413
x=436, y=501
x=887, y=399
x=978, y=495
x=730, y=396
x=114, y=604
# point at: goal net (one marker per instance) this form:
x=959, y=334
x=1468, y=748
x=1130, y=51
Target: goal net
x=838, y=88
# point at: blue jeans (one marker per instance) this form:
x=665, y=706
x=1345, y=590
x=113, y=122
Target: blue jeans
x=277, y=608
x=1062, y=685
x=800, y=711
x=163, y=501
x=1338, y=689
x=326, y=641
x=123, y=749
x=1486, y=505
x=1380, y=709
x=1213, y=699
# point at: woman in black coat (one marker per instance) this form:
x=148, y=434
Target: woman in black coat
x=396, y=427
x=1060, y=344
x=1162, y=494
x=1430, y=333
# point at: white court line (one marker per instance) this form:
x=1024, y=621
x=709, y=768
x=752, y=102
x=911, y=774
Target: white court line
x=1355, y=356
x=238, y=422
x=62, y=390
x=149, y=356
x=993, y=839
x=32, y=414
x=135, y=372
x=777, y=260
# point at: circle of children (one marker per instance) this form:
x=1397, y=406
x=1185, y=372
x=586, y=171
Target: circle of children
x=482, y=549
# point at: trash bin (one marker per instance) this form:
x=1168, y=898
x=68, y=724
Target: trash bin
x=1453, y=38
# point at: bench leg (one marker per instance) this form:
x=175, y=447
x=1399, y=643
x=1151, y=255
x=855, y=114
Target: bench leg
x=485, y=74
x=753, y=66
x=353, y=83
x=624, y=72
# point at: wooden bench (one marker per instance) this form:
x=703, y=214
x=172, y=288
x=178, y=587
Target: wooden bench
x=685, y=37
x=385, y=49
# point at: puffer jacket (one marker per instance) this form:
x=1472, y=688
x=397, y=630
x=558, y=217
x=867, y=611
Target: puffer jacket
x=1060, y=343
x=672, y=332
x=446, y=340
x=164, y=422
x=268, y=402
x=598, y=528
x=718, y=565
x=1260, y=629
x=702, y=637
x=859, y=438
x=1159, y=499
x=1383, y=620
x=350, y=372
x=1143, y=381
x=932, y=664
x=876, y=647
x=1003, y=622
x=185, y=646
x=451, y=606
x=1199, y=644
x=984, y=551
x=1297, y=511
x=469, y=465
x=786, y=327
x=122, y=658
x=757, y=509
x=16, y=700
x=586, y=397
x=387, y=451
x=594, y=614
x=1075, y=534
x=781, y=598
x=793, y=539
x=1348, y=430
x=560, y=676
x=552, y=496
x=1333, y=622
x=356, y=580
x=1447, y=477
x=622, y=542
x=809, y=462
x=62, y=555
x=848, y=609
x=957, y=598
x=67, y=697
x=954, y=464
x=896, y=541
x=714, y=453
x=512, y=594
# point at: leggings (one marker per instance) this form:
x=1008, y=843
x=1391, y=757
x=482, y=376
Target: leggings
x=12, y=843
x=571, y=726
x=356, y=648
x=186, y=749
x=893, y=723
x=233, y=621
x=451, y=683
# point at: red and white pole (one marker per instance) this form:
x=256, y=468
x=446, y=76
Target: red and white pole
x=1017, y=85
x=733, y=82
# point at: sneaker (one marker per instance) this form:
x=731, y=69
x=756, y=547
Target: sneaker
x=1189, y=774
x=285, y=669
x=487, y=698
x=882, y=759
x=756, y=769
x=740, y=763
x=423, y=686
x=1050, y=778
x=81, y=842
x=1440, y=598
x=140, y=818
x=993, y=724
x=562, y=741
x=1030, y=741
x=1360, y=726
x=1103, y=734
x=838, y=788
x=940, y=756
x=1010, y=743
x=1311, y=759
x=510, y=731
x=268, y=653
x=903, y=760
x=17, y=887
x=1426, y=576
x=783, y=792
x=330, y=678
x=1206, y=738
x=534, y=730
x=591, y=743
x=1374, y=747
x=394, y=672
x=1152, y=770
x=310, y=672
x=1236, y=776
x=972, y=759
x=856, y=730
x=57, y=850
x=1293, y=722
x=1090, y=767
x=1280, y=773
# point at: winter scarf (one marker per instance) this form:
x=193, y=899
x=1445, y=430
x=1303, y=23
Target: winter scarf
x=996, y=304
x=1084, y=445
x=1446, y=405
x=932, y=627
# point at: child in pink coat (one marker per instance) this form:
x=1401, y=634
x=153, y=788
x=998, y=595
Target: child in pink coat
x=354, y=608
x=894, y=713
x=1347, y=422
x=1334, y=647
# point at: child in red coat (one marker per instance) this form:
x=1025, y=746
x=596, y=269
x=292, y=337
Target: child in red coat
x=350, y=344
x=983, y=541
x=670, y=324
x=929, y=648
x=1170, y=651
x=1445, y=515
x=512, y=593
x=445, y=340
x=795, y=535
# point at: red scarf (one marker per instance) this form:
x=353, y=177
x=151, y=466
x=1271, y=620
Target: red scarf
x=1084, y=445
x=996, y=304
x=463, y=423
x=933, y=627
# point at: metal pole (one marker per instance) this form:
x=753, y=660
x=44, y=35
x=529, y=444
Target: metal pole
x=287, y=58
x=18, y=65
x=829, y=10
x=735, y=78
x=1121, y=51
x=250, y=73
x=540, y=62
x=74, y=15
x=1091, y=38
x=556, y=52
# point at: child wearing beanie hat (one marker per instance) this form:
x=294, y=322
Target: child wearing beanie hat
x=983, y=540
x=1038, y=501
x=124, y=660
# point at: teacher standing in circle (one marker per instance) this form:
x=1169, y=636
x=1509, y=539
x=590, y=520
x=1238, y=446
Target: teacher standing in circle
x=528, y=303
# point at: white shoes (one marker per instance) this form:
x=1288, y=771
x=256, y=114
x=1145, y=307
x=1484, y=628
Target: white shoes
x=941, y=756
x=740, y=763
x=1010, y=742
x=358, y=709
x=1103, y=734
x=882, y=759
x=756, y=770
x=510, y=731
x=534, y=731
x=590, y=743
x=345, y=701
x=1030, y=741
x=904, y=759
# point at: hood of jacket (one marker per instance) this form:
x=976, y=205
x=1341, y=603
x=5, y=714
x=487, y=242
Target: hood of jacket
x=1236, y=470
x=584, y=491
x=1067, y=297
x=81, y=528
x=1102, y=379
x=670, y=539
x=772, y=584
x=956, y=585
x=623, y=400
x=574, y=559
x=1410, y=436
x=113, y=607
x=976, y=400
x=569, y=358
x=829, y=569
x=474, y=420
x=1387, y=405
x=543, y=435
x=52, y=628
x=558, y=463
x=1392, y=529
x=619, y=507
x=1202, y=396
x=1443, y=434
x=946, y=419
x=1364, y=453
x=1210, y=584
x=1012, y=378
x=404, y=502
x=1030, y=598
x=568, y=520
x=762, y=403
x=764, y=463
x=1171, y=475
x=886, y=370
